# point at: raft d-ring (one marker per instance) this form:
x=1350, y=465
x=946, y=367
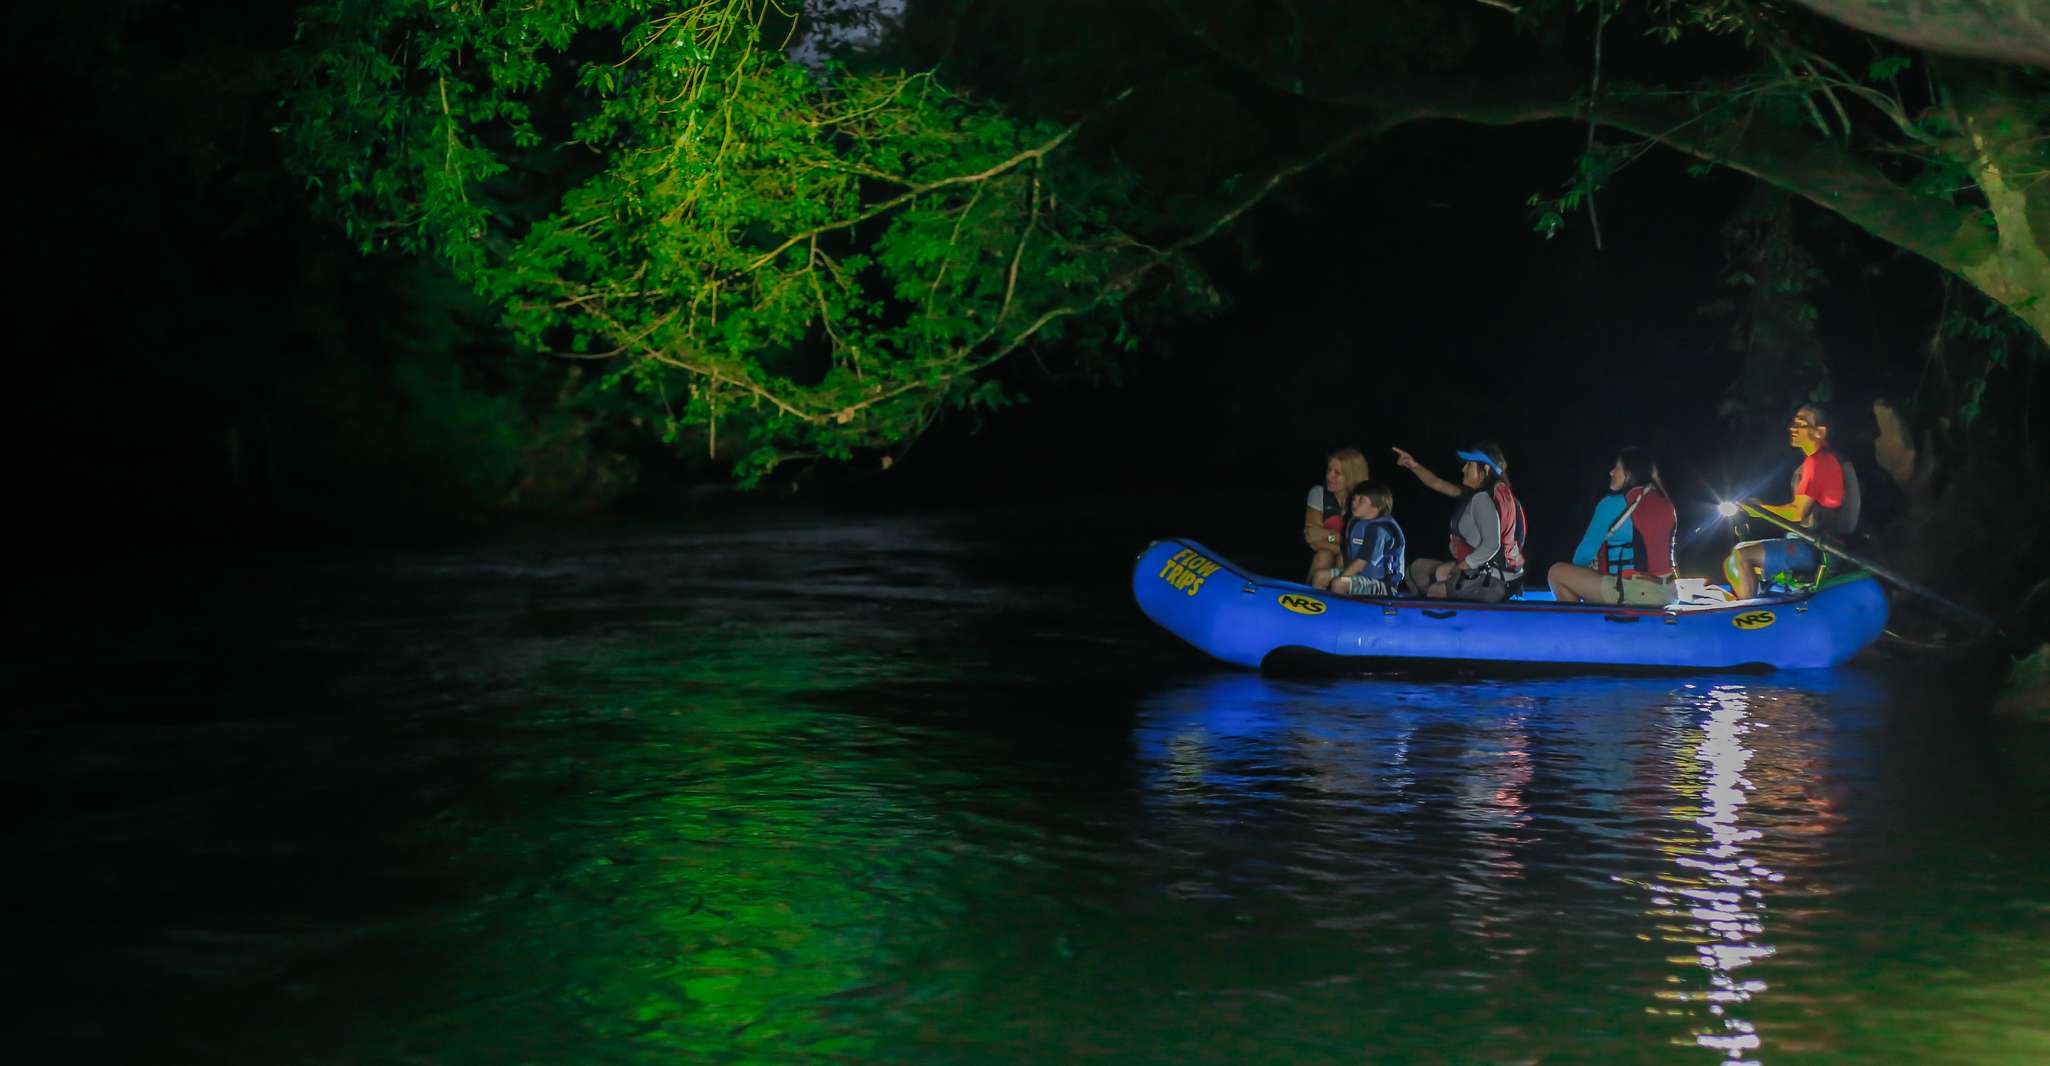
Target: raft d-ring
x=1249, y=589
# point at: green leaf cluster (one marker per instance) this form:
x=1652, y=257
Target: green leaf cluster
x=816, y=260
x=1996, y=338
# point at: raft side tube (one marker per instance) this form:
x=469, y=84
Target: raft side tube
x=1243, y=618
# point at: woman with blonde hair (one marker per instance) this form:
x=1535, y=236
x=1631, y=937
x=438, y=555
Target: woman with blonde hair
x=1325, y=512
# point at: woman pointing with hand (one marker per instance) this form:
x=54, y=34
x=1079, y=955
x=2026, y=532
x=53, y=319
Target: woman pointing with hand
x=1486, y=538
x=1431, y=481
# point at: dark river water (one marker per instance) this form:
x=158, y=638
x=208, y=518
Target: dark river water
x=929, y=790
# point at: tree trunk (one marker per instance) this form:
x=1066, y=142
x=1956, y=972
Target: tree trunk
x=2011, y=31
x=1910, y=468
x=2007, y=167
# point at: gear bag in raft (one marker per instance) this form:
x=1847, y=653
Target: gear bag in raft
x=1840, y=521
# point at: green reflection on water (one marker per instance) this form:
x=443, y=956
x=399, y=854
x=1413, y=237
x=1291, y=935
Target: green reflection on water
x=699, y=855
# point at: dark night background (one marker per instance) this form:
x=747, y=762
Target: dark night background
x=207, y=365
x=381, y=693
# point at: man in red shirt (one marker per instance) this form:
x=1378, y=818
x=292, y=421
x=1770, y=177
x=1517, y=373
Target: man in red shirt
x=1818, y=498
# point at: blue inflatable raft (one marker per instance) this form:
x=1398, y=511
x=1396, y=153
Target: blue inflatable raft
x=1243, y=618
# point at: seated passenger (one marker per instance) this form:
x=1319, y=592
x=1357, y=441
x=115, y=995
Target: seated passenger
x=1374, y=547
x=1326, y=509
x=1626, y=555
x=1487, y=531
x=1825, y=502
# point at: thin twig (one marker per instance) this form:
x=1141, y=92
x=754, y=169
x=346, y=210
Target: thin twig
x=826, y=311
x=1028, y=155
x=952, y=238
x=1594, y=92
x=1018, y=253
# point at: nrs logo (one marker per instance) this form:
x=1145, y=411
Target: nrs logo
x=1754, y=620
x=1301, y=604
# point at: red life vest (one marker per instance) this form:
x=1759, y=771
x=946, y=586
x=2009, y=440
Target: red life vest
x=1654, y=532
x=1509, y=512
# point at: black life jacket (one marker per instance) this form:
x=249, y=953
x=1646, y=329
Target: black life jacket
x=1334, y=512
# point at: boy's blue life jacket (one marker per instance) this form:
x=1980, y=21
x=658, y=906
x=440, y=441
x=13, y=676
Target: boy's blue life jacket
x=1388, y=567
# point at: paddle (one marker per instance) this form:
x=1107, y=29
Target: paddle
x=1729, y=510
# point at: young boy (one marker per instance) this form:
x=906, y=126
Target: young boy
x=1374, y=547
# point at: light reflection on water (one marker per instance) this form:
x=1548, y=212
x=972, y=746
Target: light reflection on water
x=1588, y=826
x=608, y=803
x=1715, y=890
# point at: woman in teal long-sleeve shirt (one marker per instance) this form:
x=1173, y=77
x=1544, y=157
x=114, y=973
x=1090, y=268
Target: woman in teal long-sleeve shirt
x=1605, y=515
x=1626, y=555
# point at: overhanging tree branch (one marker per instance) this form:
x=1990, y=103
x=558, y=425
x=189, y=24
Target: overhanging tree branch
x=1823, y=172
